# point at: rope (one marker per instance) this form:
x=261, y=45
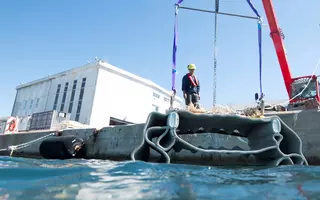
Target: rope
x=12, y=148
x=215, y=55
x=24, y=145
x=313, y=73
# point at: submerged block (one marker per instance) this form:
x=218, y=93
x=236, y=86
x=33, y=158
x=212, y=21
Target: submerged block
x=62, y=147
x=270, y=140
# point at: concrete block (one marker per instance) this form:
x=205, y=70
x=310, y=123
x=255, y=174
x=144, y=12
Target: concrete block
x=270, y=140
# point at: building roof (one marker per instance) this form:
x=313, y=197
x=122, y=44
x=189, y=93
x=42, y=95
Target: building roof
x=105, y=66
x=64, y=73
x=126, y=74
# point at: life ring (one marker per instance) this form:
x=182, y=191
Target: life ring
x=12, y=125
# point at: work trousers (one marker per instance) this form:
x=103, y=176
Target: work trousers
x=192, y=98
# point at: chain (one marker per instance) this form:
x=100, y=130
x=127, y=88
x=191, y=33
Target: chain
x=215, y=55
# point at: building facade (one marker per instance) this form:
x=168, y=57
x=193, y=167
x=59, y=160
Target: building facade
x=97, y=94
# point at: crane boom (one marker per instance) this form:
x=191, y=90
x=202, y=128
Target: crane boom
x=275, y=34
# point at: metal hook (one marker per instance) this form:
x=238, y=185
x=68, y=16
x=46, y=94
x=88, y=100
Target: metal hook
x=176, y=9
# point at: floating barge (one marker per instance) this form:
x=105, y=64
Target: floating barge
x=298, y=138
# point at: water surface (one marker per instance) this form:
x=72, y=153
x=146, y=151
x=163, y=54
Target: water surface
x=101, y=180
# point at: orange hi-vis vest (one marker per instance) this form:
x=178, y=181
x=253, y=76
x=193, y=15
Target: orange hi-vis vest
x=194, y=81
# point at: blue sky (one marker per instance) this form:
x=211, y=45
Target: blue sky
x=45, y=37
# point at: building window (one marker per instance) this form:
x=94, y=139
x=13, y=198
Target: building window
x=24, y=105
x=16, y=108
x=166, y=99
x=30, y=107
x=57, y=97
x=83, y=85
x=64, y=96
x=72, y=95
x=156, y=95
x=78, y=111
x=37, y=103
x=155, y=107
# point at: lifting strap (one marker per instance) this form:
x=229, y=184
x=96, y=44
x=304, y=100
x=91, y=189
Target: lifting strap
x=175, y=40
x=259, y=41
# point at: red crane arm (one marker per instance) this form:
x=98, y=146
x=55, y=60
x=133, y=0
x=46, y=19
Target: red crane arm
x=275, y=34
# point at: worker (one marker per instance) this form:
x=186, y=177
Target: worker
x=191, y=87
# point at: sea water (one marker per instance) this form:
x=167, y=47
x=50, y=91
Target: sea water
x=102, y=180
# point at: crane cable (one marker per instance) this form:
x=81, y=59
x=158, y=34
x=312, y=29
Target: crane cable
x=215, y=55
x=215, y=51
x=260, y=58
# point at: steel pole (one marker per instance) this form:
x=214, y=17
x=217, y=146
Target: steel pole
x=214, y=12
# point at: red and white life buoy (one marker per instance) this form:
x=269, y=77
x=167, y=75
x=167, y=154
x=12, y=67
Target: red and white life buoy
x=11, y=125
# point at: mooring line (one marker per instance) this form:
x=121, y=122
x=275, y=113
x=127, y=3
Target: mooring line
x=12, y=148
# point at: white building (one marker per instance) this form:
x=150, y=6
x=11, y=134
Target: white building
x=94, y=94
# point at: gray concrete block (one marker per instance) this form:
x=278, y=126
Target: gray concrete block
x=270, y=140
x=307, y=126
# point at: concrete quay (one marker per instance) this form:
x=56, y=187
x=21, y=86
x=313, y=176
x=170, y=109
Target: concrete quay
x=118, y=142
